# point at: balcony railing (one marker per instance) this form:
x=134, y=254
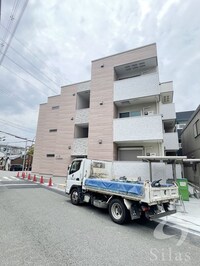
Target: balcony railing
x=136, y=87
x=133, y=129
x=82, y=116
x=171, y=141
x=168, y=111
x=80, y=147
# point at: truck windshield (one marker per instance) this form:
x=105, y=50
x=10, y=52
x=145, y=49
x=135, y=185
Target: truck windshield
x=75, y=167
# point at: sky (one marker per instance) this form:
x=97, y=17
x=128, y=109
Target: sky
x=55, y=42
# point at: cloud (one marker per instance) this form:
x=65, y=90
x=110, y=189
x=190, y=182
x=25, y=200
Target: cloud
x=61, y=38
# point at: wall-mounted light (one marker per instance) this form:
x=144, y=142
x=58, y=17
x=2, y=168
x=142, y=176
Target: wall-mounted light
x=102, y=65
x=74, y=94
x=100, y=141
x=72, y=118
x=101, y=103
x=69, y=147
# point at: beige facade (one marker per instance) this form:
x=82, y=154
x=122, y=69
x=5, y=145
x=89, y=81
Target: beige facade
x=122, y=112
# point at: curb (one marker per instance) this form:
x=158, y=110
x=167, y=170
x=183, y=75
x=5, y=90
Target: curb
x=182, y=228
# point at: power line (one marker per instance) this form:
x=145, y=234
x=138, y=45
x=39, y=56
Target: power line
x=39, y=59
x=14, y=125
x=12, y=16
x=5, y=91
x=29, y=73
x=33, y=65
x=14, y=73
x=15, y=27
x=16, y=136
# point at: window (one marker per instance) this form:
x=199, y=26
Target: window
x=122, y=115
x=129, y=114
x=196, y=128
x=52, y=130
x=55, y=107
x=135, y=113
x=50, y=155
x=180, y=126
x=75, y=167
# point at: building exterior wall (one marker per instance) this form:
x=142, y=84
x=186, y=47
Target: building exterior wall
x=190, y=139
x=86, y=119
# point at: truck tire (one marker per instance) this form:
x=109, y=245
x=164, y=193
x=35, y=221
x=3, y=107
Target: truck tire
x=74, y=196
x=118, y=211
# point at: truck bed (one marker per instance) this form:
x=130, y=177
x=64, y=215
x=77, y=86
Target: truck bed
x=132, y=190
x=136, y=189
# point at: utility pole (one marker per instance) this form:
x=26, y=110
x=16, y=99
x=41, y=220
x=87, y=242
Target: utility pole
x=24, y=159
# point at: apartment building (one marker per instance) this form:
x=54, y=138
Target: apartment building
x=182, y=119
x=122, y=112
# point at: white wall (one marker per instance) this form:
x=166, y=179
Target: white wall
x=138, y=128
x=142, y=86
x=167, y=111
x=133, y=170
x=166, y=86
x=171, y=141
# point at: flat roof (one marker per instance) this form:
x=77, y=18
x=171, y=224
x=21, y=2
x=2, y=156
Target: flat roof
x=72, y=84
x=125, y=51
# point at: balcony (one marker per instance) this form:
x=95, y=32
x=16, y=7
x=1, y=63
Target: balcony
x=171, y=141
x=166, y=87
x=168, y=111
x=166, y=90
x=80, y=147
x=82, y=116
x=137, y=129
x=136, y=87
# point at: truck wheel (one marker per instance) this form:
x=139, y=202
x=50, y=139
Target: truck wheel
x=74, y=196
x=118, y=211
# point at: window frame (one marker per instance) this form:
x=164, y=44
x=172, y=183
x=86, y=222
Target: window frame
x=71, y=170
x=196, y=128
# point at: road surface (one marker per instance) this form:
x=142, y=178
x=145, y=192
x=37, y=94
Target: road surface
x=41, y=227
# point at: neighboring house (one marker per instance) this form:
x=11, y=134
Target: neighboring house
x=181, y=121
x=190, y=138
x=11, y=150
x=123, y=112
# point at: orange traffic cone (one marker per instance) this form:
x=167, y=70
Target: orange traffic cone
x=17, y=174
x=29, y=176
x=41, y=180
x=34, y=178
x=50, y=182
x=23, y=175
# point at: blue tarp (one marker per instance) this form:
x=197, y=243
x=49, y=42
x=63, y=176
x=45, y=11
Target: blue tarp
x=115, y=186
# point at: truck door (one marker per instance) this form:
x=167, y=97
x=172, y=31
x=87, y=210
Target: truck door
x=74, y=175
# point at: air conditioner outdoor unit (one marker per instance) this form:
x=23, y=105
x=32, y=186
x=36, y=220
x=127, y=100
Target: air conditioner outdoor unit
x=148, y=112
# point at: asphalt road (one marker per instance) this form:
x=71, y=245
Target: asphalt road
x=41, y=227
